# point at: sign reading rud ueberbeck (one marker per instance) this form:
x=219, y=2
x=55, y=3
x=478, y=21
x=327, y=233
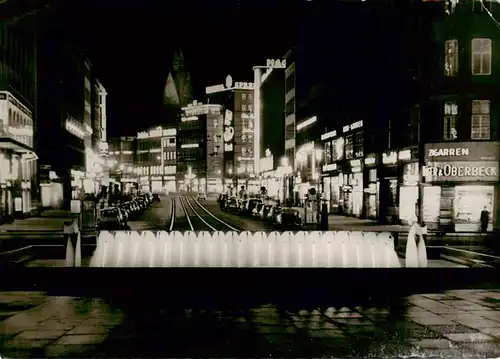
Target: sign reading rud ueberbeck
x=461, y=171
x=462, y=151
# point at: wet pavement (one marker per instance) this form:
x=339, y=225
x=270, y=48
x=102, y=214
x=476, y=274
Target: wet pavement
x=453, y=324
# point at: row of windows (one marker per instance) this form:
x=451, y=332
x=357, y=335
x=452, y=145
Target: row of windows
x=18, y=119
x=246, y=96
x=480, y=120
x=169, y=156
x=480, y=59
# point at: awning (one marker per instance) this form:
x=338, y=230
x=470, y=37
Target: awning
x=9, y=143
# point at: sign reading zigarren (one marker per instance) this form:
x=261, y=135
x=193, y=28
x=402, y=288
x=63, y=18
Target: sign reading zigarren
x=462, y=151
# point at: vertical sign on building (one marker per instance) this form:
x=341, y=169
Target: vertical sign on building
x=228, y=131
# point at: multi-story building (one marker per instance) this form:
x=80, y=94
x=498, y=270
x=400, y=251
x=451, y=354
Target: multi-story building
x=192, y=150
x=122, y=172
x=215, y=149
x=459, y=120
x=289, y=193
x=155, y=159
x=18, y=167
x=237, y=104
x=272, y=132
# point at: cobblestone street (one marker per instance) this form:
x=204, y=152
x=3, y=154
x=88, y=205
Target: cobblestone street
x=451, y=324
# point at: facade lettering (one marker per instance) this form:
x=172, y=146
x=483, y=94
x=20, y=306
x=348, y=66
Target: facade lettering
x=462, y=171
x=448, y=152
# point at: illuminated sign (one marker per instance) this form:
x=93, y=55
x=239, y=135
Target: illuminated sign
x=389, y=158
x=156, y=178
x=352, y=126
x=157, y=132
x=448, y=152
x=197, y=108
x=228, y=131
x=169, y=178
x=355, y=163
x=229, y=85
x=328, y=135
x=461, y=171
x=468, y=151
x=330, y=167
x=370, y=161
x=306, y=123
x=190, y=145
x=404, y=155
x=276, y=64
x=190, y=118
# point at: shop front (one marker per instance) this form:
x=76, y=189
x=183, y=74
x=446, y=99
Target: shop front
x=461, y=180
x=409, y=179
x=332, y=178
x=371, y=188
x=144, y=184
x=169, y=183
x=388, y=188
x=353, y=189
x=156, y=184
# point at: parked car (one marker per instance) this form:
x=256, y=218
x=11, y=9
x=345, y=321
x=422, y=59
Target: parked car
x=256, y=209
x=251, y=204
x=273, y=213
x=232, y=205
x=110, y=219
x=264, y=210
x=242, y=207
x=289, y=218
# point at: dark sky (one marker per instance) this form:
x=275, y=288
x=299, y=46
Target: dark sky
x=131, y=44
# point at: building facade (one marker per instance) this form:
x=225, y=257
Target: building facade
x=122, y=174
x=192, y=151
x=18, y=160
x=272, y=138
x=460, y=120
x=155, y=159
x=237, y=103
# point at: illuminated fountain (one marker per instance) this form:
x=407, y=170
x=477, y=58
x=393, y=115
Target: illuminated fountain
x=245, y=249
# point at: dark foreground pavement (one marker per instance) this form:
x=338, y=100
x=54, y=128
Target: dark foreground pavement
x=452, y=324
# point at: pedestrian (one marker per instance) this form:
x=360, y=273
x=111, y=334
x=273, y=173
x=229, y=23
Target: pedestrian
x=416, y=251
x=485, y=219
x=71, y=234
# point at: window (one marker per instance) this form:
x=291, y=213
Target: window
x=450, y=121
x=249, y=97
x=481, y=56
x=243, y=96
x=480, y=129
x=243, y=108
x=451, y=58
x=328, y=152
x=349, y=147
x=358, y=144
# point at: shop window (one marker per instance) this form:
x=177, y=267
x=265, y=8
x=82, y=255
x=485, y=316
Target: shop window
x=328, y=152
x=480, y=126
x=451, y=58
x=481, y=56
x=349, y=147
x=450, y=121
x=358, y=144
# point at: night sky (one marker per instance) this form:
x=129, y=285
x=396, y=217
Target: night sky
x=131, y=44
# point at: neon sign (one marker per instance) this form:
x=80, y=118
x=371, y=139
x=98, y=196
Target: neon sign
x=228, y=131
x=276, y=64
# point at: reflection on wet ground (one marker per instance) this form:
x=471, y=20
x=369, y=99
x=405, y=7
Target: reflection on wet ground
x=452, y=324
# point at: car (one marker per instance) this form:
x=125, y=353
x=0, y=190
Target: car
x=202, y=196
x=110, y=219
x=289, y=218
x=250, y=205
x=257, y=209
x=232, y=205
